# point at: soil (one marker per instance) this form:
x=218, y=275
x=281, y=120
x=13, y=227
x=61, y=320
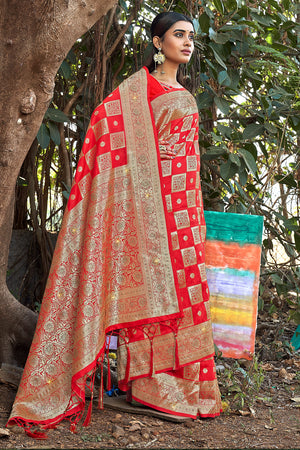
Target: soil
x=261, y=402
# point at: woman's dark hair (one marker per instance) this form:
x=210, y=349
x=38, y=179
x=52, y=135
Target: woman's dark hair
x=161, y=23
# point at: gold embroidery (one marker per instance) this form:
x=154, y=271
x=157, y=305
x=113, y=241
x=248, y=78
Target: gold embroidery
x=189, y=256
x=113, y=108
x=195, y=293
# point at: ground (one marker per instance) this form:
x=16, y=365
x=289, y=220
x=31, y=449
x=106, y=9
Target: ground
x=261, y=400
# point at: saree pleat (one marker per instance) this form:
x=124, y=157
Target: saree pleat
x=116, y=266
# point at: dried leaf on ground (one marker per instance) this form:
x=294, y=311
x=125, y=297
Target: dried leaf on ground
x=285, y=375
x=4, y=433
x=267, y=367
x=134, y=427
x=252, y=410
x=244, y=413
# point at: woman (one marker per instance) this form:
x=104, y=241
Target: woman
x=130, y=256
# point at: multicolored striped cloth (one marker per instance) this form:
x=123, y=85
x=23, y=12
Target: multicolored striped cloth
x=233, y=252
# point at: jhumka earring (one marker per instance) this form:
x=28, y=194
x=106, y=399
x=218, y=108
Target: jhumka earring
x=159, y=58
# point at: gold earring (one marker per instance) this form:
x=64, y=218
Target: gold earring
x=159, y=58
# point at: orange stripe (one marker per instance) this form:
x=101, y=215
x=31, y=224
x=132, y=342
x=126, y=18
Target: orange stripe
x=233, y=255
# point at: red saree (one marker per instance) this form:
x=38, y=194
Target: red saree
x=129, y=259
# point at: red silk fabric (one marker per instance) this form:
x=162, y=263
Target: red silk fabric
x=129, y=259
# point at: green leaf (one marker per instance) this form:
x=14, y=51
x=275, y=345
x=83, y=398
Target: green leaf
x=231, y=4
x=233, y=80
x=204, y=100
x=279, y=93
x=56, y=115
x=123, y=4
x=275, y=5
x=252, y=148
x=71, y=56
x=66, y=194
x=291, y=224
x=263, y=149
x=251, y=24
x=216, y=137
x=243, y=176
x=288, y=24
x=280, y=47
x=279, y=216
x=54, y=133
x=219, y=59
x=288, y=180
x=225, y=131
x=265, y=102
x=249, y=160
x=242, y=48
x=252, y=75
x=219, y=38
x=196, y=25
x=253, y=130
x=223, y=78
x=43, y=136
x=235, y=159
x=276, y=278
x=204, y=23
x=297, y=240
x=219, y=6
x=277, y=54
x=65, y=70
x=222, y=104
x=214, y=67
x=241, y=191
x=225, y=170
x=264, y=20
x=213, y=153
x=270, y=128
x=286, y=4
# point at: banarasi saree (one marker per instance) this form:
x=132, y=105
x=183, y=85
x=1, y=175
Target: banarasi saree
x=129, y=260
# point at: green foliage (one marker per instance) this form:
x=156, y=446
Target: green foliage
x=249, y=100
x=239, y=386
x=94, y=438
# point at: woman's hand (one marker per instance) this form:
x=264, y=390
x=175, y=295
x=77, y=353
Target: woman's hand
x=165, y=150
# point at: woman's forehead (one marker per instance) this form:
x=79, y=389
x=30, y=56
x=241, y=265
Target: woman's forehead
x=182, y=25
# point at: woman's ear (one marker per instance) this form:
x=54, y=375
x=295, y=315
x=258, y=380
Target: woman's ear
x=156, y=42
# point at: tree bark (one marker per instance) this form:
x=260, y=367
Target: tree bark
x=35, y=37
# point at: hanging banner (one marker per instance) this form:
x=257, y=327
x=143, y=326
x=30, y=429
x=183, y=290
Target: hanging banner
x=233, y=252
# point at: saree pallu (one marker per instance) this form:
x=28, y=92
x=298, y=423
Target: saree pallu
x=119, y=266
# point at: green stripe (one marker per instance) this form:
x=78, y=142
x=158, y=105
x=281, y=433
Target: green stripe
x=229, y=227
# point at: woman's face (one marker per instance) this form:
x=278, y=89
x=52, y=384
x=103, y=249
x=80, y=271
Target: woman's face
x=177, y=43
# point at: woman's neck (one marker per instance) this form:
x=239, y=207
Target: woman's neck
x=167, y=73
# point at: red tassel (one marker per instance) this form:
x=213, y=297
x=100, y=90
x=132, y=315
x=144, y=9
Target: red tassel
x=176, y=359
x=127, y=365
x=151, y=359
x=91, y=388
x=36, y=434
x=100, y=401
x=89, y=413
x=51, y=427
x=73, y=428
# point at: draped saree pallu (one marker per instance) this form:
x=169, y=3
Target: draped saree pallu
x=129, y=260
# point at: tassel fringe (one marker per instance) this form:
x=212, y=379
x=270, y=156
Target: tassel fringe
x=36, y=434
x=101, y=388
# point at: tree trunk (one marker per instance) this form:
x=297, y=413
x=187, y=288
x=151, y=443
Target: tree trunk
x=35, y=36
